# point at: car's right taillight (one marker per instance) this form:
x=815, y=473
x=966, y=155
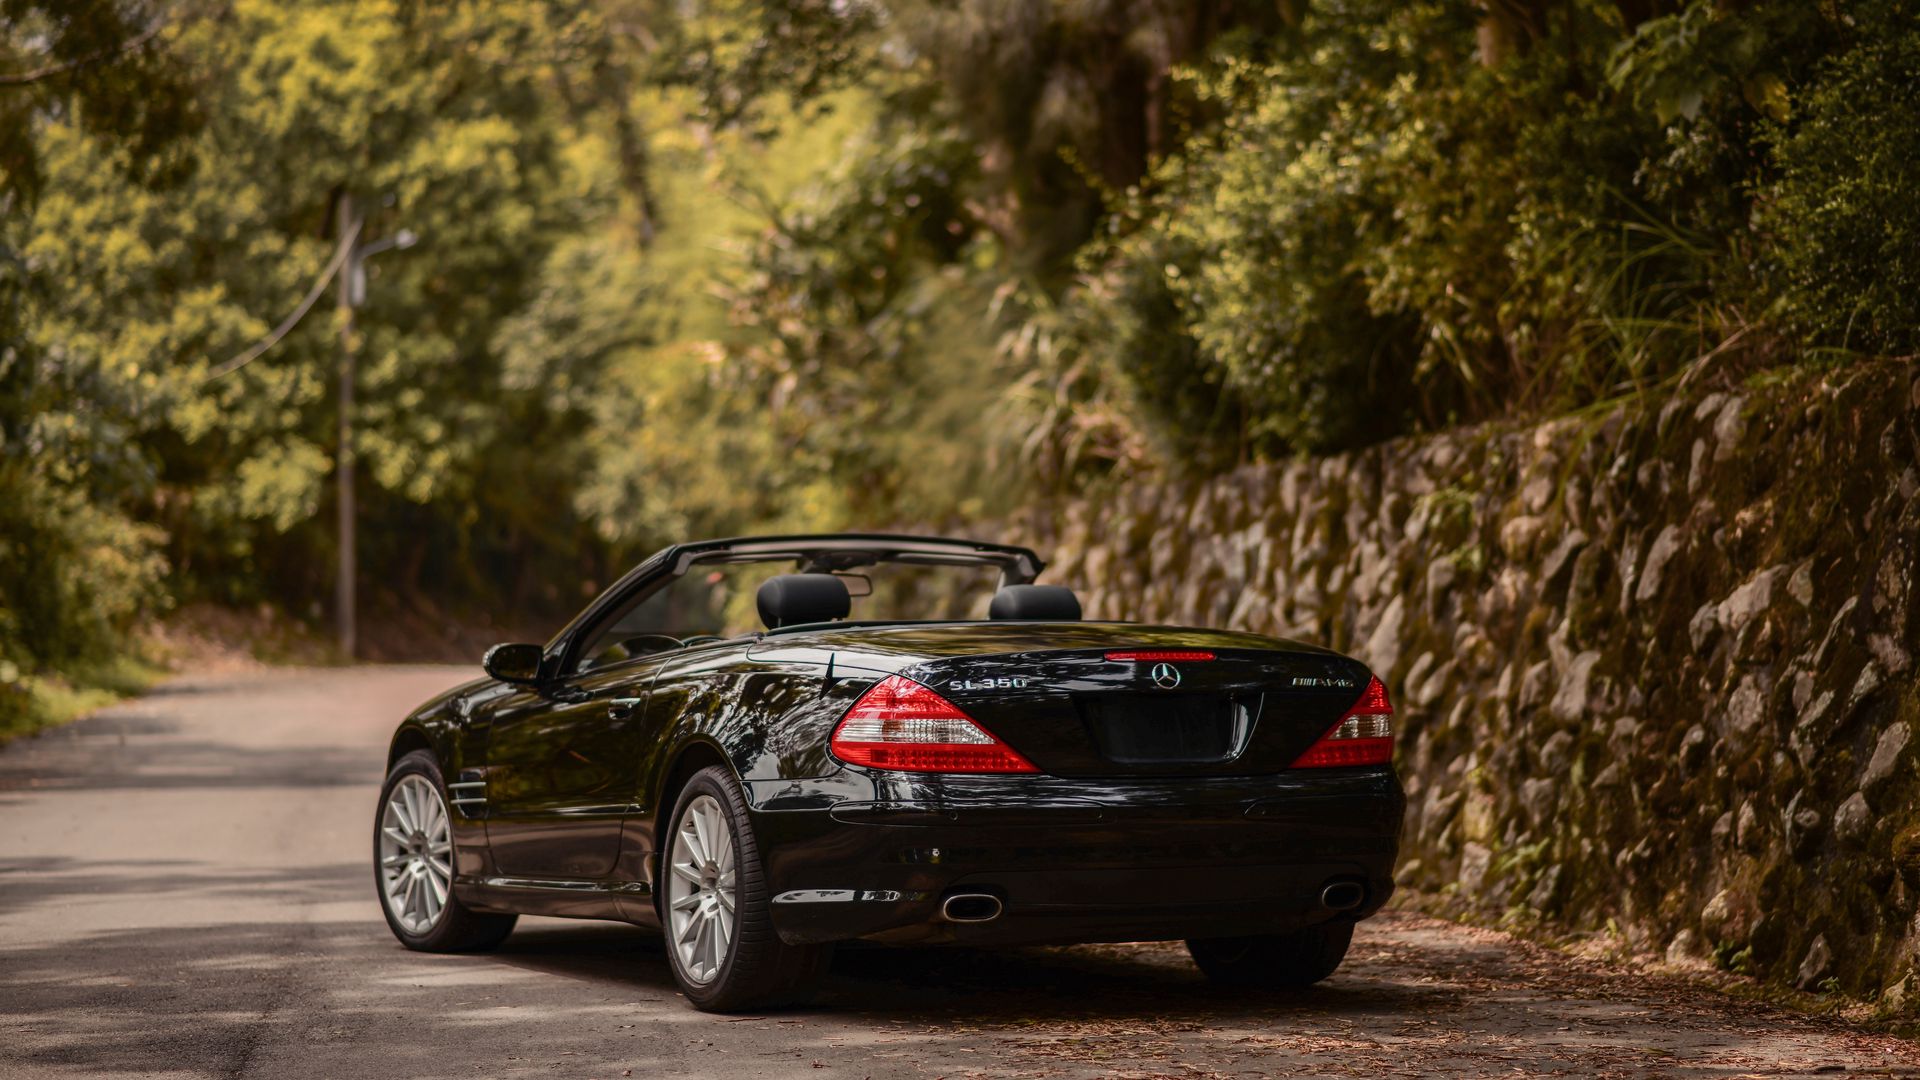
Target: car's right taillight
x=1364, y=736
x=901, y=724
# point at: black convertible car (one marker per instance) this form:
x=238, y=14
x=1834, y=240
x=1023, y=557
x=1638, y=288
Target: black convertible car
x=740, y=744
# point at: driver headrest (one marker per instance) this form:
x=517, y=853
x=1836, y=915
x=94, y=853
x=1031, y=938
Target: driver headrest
x=793, y=599
x=1035, y=603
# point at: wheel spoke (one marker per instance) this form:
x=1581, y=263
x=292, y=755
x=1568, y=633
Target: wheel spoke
x=713, y=943
x=722, y=837
x=699, y=952
x=696, y=839
x=702, y=832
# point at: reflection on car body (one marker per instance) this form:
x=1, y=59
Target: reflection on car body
x=721, y=746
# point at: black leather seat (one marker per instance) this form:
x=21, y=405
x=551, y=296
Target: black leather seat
x=797, y=599
x=1035, y=603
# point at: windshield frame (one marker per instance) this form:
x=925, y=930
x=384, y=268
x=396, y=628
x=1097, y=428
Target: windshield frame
x=812, y=552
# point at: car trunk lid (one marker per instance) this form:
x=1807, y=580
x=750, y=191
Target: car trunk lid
x=1146, y=712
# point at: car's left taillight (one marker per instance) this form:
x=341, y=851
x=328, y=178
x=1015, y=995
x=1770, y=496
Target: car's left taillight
x=1364, y=736
x=901, y=724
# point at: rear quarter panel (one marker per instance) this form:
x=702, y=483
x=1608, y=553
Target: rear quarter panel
x=769, y=720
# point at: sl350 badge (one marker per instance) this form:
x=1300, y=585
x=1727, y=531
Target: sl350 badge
x=986, y=684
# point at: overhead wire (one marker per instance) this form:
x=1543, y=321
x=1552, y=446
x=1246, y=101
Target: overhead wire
x=306, y=304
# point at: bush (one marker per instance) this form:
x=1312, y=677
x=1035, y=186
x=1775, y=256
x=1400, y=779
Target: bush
x=77, y=575
x=1842, y=218
x=1386, y=234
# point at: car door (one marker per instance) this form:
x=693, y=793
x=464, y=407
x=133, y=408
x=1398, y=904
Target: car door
x=562, y=770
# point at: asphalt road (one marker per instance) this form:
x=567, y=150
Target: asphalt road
x=184, y=892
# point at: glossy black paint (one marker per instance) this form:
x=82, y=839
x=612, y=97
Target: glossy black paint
x=1081, y=860
x=577, y=773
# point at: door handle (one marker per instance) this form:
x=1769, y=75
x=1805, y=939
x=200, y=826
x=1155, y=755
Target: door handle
x=621, y=708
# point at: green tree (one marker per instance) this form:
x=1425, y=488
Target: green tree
x=73, y=569
x=1840, y=215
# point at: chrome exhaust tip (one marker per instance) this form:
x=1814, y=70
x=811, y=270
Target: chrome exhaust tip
x=1342, y=896
x=970, y=908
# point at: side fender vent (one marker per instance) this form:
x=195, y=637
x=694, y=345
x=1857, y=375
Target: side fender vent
x=469, y=797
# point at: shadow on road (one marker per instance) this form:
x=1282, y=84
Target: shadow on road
x=56, y=879
x=189, y=999
x=201, y=999
x=123, y=751
x=1002, y=986
x=183, y=765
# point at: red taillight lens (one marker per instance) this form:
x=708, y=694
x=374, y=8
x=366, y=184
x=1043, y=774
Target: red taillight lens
x=900, y=724
x=1364, y=736
x=1160, y=656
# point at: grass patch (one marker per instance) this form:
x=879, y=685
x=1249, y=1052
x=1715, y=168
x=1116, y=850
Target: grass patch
x=30, y=704
x=199, y=637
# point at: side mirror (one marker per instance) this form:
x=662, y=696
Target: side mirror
x=514, y=663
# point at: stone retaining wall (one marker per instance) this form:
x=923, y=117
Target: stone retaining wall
x=1653, y=663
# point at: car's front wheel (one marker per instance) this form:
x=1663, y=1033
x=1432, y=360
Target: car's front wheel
x=716, y=908
x=1274, y=961
x=413, y=865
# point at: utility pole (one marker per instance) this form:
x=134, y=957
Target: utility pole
x=343, y=597
x=347, y=271
x=352, y=285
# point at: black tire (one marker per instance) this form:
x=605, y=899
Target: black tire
x=459, y=928
x=760, y=970
x=1274, y=961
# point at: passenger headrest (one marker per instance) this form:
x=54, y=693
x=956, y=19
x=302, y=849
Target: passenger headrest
x=793, y=599
x=1035, y=603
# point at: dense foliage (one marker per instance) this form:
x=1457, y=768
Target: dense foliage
x=699, y=268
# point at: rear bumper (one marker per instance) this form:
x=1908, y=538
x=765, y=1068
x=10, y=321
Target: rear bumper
x=1075, y=860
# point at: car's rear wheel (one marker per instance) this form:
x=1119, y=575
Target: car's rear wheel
x=413, y=865
x=1274, y=961
x=716, y=908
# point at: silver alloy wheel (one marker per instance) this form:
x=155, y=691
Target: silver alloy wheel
x=701, y=890
x=416, y=854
